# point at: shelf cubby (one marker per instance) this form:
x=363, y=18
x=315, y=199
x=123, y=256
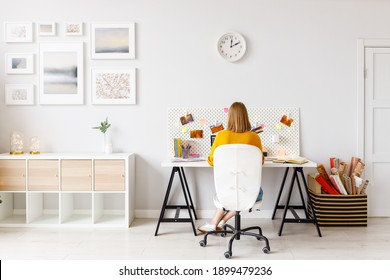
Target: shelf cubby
x=13, y=208
x=109, y=208
x=76, y=208
x=43, y=208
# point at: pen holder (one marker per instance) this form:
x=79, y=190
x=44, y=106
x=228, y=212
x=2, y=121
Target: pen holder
x=185, y=152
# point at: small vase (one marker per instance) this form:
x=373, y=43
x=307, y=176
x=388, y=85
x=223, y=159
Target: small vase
x=107, y=142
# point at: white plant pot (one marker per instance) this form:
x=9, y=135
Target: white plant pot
x=107, y=142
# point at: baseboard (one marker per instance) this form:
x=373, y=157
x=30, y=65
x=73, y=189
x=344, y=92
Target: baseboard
x=208, y=214
x=202, y=214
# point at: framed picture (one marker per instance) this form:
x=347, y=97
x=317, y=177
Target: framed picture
x=16, y=94
x=18, y=32
x=113, y=86
x=19, y=63
x=61, y=73
x=47, y=29
x=73, y=28
x=113, y=41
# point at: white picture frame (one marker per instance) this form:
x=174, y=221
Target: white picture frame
x=18, y=32
x=113, y=86
x=19, y=94
x=113, y=40
x=19, y=63
x=46, y=28
x=61, y=73
x=73, y=28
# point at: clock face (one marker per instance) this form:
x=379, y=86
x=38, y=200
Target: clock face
x=231, y=46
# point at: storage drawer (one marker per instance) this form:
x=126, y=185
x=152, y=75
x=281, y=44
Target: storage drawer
x=43, y=175
x=76, y=175
x=12, y=175
x=109, y=175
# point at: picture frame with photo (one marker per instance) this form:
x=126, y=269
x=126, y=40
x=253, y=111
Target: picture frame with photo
x=61, y=73
x=18, y=32
x=112, y=86
x=46, y=28
x=113, y=40
x=19, y=63
x=19, y=94
x=73, y=28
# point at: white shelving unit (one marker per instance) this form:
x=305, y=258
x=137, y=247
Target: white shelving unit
x=67, y=190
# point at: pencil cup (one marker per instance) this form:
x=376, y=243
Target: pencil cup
x=185, y=152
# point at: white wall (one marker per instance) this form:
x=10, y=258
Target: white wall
x=300, y=53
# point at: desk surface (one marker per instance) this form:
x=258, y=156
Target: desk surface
x=267, y=164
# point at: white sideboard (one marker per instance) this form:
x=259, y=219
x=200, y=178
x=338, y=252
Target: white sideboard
x=53, y=189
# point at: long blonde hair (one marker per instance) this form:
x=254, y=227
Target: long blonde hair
x=238, y=120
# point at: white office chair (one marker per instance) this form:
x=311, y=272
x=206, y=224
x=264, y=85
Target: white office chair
x=237, y=178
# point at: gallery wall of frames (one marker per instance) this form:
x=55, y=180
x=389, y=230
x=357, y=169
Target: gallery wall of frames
x=57, y=61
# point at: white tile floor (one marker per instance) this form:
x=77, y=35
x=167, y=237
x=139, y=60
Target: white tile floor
x=176, y=241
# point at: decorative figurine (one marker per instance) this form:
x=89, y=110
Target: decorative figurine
x=34, y=145
x=16, y=142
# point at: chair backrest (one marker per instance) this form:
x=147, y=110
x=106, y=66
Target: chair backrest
x=237, y=175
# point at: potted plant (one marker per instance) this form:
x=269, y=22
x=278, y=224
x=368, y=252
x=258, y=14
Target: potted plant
x=104, y=128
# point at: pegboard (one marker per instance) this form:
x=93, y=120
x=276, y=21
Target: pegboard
x=203, y=118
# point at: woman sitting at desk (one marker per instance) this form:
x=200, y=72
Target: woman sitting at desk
x=238, y=132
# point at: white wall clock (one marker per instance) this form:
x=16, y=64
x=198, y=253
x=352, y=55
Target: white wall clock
x=232, y=46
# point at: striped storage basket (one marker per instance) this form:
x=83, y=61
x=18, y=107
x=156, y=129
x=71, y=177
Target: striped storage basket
x=339, y=210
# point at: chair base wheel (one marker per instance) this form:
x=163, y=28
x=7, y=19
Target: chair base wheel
x=228, y=254
x=202, y=243
x=266, y=250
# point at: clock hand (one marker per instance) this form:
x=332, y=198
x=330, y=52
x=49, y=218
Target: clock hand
x=236, y=44
x=231, y=42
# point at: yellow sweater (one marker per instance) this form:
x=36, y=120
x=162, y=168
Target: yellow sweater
x=230, y=137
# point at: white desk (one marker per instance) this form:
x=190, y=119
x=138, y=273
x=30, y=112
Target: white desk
x=267, y=164
x=297, y=169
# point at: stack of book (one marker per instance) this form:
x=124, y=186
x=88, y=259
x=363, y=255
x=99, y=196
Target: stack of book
x=295, y=160
x=177, y=147
x=341, y=180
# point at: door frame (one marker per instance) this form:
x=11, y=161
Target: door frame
x=362, y=44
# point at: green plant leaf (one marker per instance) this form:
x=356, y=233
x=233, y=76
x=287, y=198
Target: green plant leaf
x=104, y=125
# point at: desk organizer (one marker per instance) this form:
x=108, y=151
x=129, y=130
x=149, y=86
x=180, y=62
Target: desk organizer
x=337, y=210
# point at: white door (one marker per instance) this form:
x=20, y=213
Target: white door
x=377, y=130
